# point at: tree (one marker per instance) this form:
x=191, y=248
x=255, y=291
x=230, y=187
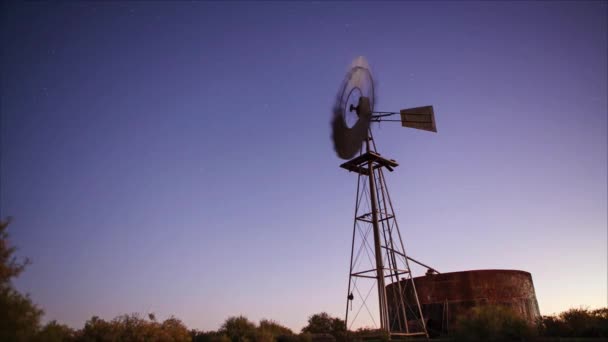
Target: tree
x=134, y=328
x=55, y=332
x=175, y=330
x=97, y=329
x=274, y=327
x=19, y=317
x=238, y=329
x=208, y=336
x=576, y=322
x=270, y=330
x=323, y=323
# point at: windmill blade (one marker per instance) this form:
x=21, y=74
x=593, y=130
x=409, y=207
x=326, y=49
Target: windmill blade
x=419, y=118
x=349, y=130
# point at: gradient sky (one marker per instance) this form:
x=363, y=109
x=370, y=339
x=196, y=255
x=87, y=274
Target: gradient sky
x=176, y=158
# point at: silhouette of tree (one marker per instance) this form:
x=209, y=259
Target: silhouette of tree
x=19, y=317
x=238, y=329
x=323, y=323
x=270, y=331
x=173, y=329
x=55, y=332
x=576, y=322
x=134, y=328
x=208, y=336
x=97, y=329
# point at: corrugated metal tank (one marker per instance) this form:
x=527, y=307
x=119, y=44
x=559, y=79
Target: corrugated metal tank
x=445, y=297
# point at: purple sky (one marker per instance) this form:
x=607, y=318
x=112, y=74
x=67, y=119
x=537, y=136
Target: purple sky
x=176, y=158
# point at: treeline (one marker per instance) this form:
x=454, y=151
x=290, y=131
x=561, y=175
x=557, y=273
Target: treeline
x=489, y=323
x=20, y=320
x=137, y=328
x=240, y=329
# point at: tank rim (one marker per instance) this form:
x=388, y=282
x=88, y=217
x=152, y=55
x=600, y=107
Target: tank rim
x=489, y=270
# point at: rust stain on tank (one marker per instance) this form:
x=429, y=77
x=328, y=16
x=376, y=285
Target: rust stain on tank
x=445, y=297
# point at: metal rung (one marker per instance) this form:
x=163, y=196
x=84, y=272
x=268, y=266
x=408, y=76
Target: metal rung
x=398, y=274
x=363, y=272
x=386, y=218
x=363, y=218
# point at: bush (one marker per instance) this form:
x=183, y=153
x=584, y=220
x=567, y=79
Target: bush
x=269, y=330
x=576, y=323
x=209, y=336
x=492, y=323
x=364, y=334
x=134, y=328
x=55, y=332
x=323, y=323
x=238, y=329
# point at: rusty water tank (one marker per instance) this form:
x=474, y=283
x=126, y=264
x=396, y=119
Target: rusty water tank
x=447, y=296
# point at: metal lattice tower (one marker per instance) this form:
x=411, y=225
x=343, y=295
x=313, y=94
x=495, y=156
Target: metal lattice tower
x=381, y=261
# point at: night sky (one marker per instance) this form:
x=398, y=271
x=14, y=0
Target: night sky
x=176, y=157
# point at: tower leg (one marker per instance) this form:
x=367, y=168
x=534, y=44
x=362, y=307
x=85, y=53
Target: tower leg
x=382, y=302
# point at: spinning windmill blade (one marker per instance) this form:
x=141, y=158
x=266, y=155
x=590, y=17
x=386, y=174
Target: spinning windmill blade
x=353, y=111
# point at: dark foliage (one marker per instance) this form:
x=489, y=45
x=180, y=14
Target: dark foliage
x=19, y=317
x=55, y=332
x=493, y=323
x=323, y=323
x=133, y=328
x=576, y=323
x=208, y=336
x=238, y=329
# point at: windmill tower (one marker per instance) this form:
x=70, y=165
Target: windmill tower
x=378, y=250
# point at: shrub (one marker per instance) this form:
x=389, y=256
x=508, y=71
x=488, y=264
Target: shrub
x=270, y=330
x=492, y=323
x=208, y=336
x=238, y=329
x=55, y=332
x=323, y=323
x=576, y=323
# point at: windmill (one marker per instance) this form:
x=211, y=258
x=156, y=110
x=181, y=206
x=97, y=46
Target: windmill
x=383, y=260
